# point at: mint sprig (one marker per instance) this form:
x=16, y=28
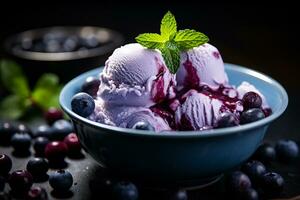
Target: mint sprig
x=21, y=98
x=171, y=42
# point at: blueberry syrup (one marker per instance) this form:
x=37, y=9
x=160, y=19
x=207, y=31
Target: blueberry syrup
x=267, y=111
x=166, y=113
x=158, y=93
x=192, y=80
x=185, y=124
x=216, y=54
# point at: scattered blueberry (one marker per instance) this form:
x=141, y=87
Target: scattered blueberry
x=37, y=193
x=38, y=168
x=265, y=153
x=6, y=132
x=125, y=191
x=53, y=114
x=251, y=115
x=238, y=182
x=2, y=183
x=91, y=86
x=286, y=150
x=251, y=100
x=20, y=181
x=254, y=169
x=43, y=131
x=249, y=194
x=61, y=129
x=21, y=143
x=272, y=183
x=142, y=125
x=5, y=164
x=179, y=195
x=22, y=128
x=61, y=180
x=83, y=104
x=56, y=152
x=226, y=119
x=73, y=144
x=39, y=145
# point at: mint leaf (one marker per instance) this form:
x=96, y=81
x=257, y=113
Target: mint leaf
x=46, y=91
x=187, y=39
x=171, y=55
x=13, y=107
x=13, y=78
x=168, y=25
x=150, y=40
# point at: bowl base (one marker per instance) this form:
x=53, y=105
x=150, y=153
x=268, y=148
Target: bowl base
x=189, y=185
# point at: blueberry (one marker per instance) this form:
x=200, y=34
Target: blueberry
x=249, y=194
x=22, y=128
x=39, y=145
x=73, y=144
x=38, y=168
x=238, y=181
x=20, y=181
x=83, y=104
x=37, y=193
x=21, y=143
x=6, y=132
x=125, y=191
x=52, y=115
x=179, y=195
x=251, y=115
x=286, y=150
x=61, y=129
x=43, y=131
x=5, y=164
x=254, y=169
x=251, y=100
x=265, y=153
x=56, y=152
x=226, y=120
x=142, y=125
x=2, y=183
x=61, y=180
x=272, y=183
x=91, y=86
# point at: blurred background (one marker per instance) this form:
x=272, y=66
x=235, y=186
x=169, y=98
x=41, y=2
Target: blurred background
x=262, y=37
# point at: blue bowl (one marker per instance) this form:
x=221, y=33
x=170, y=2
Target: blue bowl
x=181, y=156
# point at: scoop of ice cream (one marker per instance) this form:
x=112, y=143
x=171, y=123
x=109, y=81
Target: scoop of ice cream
x=201, y=110
x=135, y=76
x=127, y=116
x=199, y=66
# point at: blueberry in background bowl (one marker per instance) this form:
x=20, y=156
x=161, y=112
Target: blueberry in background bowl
x=65, y=50
x=176, y=157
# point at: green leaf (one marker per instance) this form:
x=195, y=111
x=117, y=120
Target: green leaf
x=46, y=91
x=171, y=55
x=150, y=40
x=13, y=107
x=168, y=25
x=47, y=81
x=13, y=78
x=187, y=39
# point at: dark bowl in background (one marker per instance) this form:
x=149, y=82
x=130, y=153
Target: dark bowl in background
x=66, y=64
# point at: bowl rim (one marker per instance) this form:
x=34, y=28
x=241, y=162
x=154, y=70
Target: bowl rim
x=116, y=38
x=185, y=134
